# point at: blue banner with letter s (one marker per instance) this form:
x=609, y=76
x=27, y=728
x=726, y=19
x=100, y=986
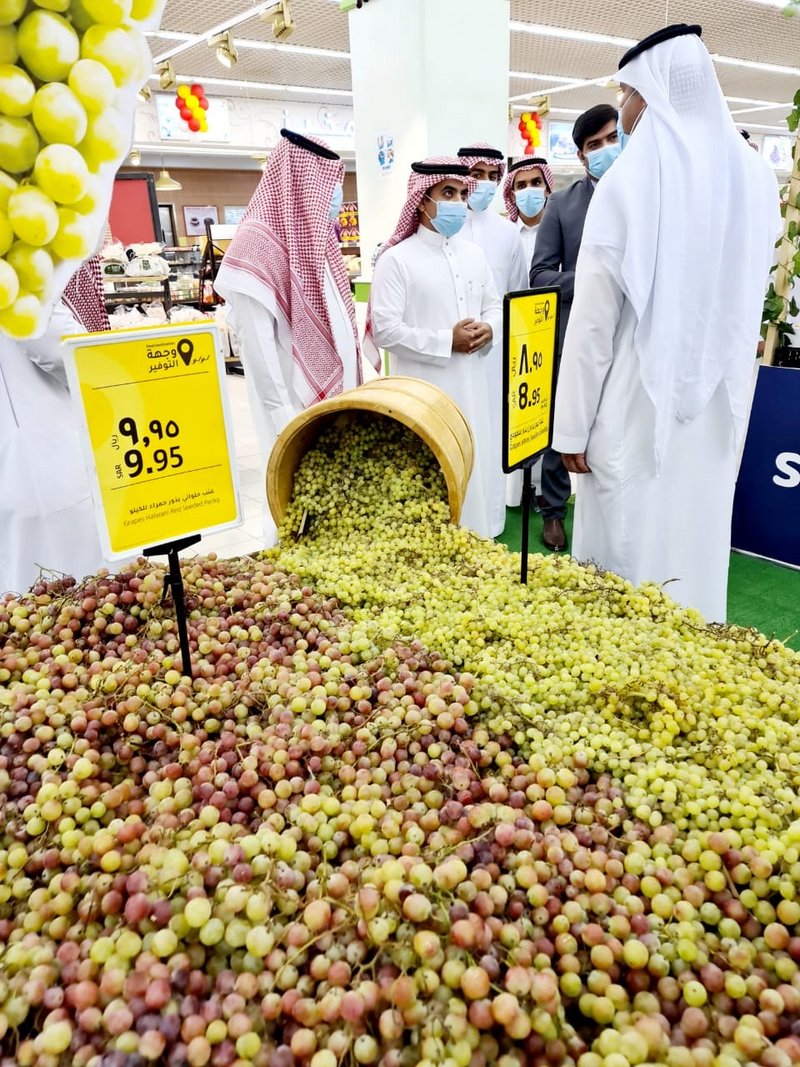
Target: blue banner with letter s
x=766, y=508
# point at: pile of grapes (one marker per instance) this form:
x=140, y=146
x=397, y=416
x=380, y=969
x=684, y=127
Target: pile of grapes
x=404, y=813
x=68, y=73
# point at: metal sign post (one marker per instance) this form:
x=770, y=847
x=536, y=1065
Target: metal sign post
x=530, y=340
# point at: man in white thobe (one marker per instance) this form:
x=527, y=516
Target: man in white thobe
x=47, y=518
x=500, y=242
x=435, y=308
x=657, y=370
x=288, y=292
x=528, y=185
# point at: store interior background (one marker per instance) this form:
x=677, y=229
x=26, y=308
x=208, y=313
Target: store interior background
x=565, y=50
x=429, y=75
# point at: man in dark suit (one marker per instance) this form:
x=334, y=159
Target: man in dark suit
x=555, y=257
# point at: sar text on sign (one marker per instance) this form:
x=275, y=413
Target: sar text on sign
x=156, y=434
x=531, y=333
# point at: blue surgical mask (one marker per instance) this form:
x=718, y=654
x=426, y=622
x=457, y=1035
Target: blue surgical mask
x=336, y=202
x=621, y=135
x=483, y=196
x=449, y=218
x=530, y=201
x=602, y=159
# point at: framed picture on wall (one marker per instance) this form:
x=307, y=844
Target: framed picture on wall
x=234, y=215
x=194, y=219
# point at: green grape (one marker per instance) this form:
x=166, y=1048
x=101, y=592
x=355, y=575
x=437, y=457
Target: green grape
x=108, y=12
x=93, y=85
x=24, y=318
x=116, y=47
x=34, y=267
x=48, y=45
x=11, y=10
x=16, y=91
x=19, y=145
x=61, y=172
x=74, y=238
x=59, y=115
x=105, y=141
x=33, y=216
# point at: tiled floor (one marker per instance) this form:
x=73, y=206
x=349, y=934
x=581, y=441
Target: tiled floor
x=252, y=481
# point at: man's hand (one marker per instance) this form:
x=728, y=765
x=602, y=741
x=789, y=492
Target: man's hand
x=481, y=335
x=469, y=335
x=576, y=463
x=463, y=335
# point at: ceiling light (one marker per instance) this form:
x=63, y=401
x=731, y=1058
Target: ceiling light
x=232, y=83
x=281, y=19
x=556, y=79
x=570, y=35
x=626, y=42
x=192, y=39
x=135, y=157
x=166, y=76
x=226, y=49
x=215, y=31
x=553, y=110
x=751, y=65
x=166, y=184
x=144, y=94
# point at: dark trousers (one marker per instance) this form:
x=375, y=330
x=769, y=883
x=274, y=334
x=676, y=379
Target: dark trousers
x=556, y=486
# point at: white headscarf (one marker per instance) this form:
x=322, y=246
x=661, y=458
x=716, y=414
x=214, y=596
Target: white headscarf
x=690, y=215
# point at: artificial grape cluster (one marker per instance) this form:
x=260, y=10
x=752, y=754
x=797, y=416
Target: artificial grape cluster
x=386, y=821
x=68, y=69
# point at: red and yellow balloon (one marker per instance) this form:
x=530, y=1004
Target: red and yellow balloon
x=191, y=101
x=530, y=128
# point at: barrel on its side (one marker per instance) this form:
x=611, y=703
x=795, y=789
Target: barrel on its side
x=417, y=404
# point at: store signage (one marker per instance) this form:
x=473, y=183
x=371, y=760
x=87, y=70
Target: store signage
x=156, y=434
x=530, y=337
x=766, y=508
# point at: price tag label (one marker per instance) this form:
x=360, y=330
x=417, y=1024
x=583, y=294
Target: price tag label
x=529, y=365
x=156, y=433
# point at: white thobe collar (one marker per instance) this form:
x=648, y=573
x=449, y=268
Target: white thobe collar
x=432, y=238
x=526, y=228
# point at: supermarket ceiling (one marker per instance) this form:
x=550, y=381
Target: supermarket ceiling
x=554, y=44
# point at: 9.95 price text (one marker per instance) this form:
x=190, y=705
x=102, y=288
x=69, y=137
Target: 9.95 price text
x=151, y=452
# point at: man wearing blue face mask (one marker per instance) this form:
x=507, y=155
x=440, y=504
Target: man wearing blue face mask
x=555, y=257
x=434, y=307
x=499, y=240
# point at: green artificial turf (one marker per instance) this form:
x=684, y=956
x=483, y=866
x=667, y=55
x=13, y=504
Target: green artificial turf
x=760, y=594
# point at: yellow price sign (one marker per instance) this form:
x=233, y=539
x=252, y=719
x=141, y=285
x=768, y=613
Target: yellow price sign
x=156, y=433
x=529, y=363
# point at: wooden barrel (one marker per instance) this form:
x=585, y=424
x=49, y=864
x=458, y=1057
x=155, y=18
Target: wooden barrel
x=417, y=404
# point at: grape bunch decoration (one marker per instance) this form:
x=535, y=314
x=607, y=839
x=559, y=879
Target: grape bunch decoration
x=193, y=106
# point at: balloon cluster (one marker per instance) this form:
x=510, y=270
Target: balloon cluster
x=530, y=128
x=193, y=106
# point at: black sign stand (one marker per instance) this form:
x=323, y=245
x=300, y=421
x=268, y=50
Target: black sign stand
x=173, y=582
x=526, y=465
x=527, y=494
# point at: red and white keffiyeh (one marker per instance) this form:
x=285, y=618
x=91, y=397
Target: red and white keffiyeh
x=424, y=176
x=283, y=243
x=431, y=172
x=85, y=297
x=529, y=163
x=477, y=153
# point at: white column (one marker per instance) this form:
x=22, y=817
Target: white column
x=433, y=76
